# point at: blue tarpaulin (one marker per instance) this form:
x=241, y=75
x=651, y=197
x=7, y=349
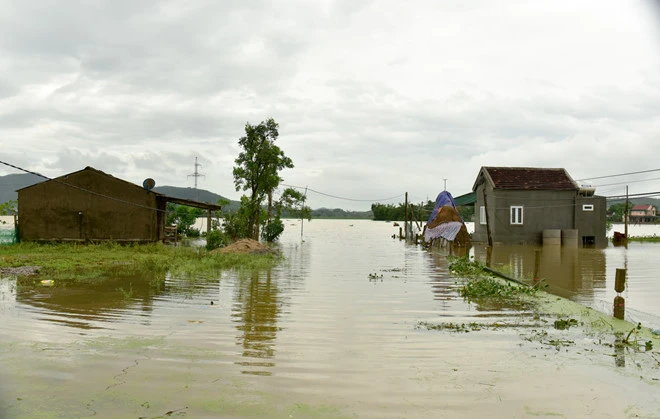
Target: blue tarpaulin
x=447, y=230
x=443, y=199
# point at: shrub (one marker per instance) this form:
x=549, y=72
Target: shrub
x=215, y=239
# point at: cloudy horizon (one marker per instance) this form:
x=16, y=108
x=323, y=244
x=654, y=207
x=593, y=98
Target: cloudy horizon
x=373, y=98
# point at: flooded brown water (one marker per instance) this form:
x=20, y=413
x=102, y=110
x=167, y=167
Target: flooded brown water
x=587, y=275
x=331, y=332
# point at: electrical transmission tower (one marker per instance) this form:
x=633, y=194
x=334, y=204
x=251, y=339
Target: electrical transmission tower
x=196, y=174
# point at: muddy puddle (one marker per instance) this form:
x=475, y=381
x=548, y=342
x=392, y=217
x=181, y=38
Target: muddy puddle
x=343, y=328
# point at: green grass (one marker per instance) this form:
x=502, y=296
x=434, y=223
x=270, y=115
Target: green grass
x=70, y=262
x=650, y=239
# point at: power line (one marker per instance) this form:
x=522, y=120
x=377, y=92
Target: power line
x=638, y=195
x=625, y=183
x=622, y=174
x=339, y=197
x=83, y=189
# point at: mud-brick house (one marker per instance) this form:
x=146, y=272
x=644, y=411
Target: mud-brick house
x=642, y=213
x=90, y=205
x=521, y=204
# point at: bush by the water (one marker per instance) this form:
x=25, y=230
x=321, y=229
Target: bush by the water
x=215, y=239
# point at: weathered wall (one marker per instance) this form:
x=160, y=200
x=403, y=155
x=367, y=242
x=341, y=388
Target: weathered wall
x=541, y=210
x=592, y=223
x=54, y=211
x=480, y=232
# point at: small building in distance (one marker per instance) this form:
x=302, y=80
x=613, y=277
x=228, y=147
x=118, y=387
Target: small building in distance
x=90, y=205
x=517, y=205
x=642, y=214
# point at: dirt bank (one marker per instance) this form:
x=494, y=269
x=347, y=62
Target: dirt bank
x=244, y=246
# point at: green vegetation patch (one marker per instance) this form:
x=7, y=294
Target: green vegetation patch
x=650, y=239
x=466, y=267
x=69, y=263
x=480, y=286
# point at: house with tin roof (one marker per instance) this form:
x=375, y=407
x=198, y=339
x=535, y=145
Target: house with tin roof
x=522, y=204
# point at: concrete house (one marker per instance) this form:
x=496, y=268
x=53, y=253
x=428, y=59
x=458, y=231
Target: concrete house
x=642, y=213
x=519, y=204
x=90, y=205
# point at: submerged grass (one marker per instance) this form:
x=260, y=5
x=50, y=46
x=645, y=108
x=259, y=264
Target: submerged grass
x=480, y=286
x=72, y=262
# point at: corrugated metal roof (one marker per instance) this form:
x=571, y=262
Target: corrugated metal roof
x=466, y=199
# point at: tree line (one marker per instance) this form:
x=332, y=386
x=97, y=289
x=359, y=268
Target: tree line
x=420, y=212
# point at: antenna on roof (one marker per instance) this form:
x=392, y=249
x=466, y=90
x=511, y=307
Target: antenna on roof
x=196, y=174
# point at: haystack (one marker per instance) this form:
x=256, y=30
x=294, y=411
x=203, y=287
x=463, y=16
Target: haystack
x=244, y=246
x=445, y=223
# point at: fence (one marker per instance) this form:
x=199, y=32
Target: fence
x=7, y=235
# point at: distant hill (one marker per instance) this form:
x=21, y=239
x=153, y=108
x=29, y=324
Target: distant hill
x=635, y=201
x=340, y=213
x=9, y=184
x=197, y=195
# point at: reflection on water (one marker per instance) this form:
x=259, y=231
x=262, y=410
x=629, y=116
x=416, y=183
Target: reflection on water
x=93, y=305
x=587, y=275
x=255, y=311
x=317, y=328
x=567, y=270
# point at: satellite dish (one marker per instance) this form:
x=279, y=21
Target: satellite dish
x=148, y=184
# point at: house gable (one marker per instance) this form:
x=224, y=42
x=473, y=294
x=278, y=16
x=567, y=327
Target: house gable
x=63, y=180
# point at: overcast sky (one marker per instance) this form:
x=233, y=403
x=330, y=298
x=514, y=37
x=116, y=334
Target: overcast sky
x=373, y=98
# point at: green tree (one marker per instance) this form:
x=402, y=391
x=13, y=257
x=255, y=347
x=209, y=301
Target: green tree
x=466, y=212
x=184, y=217
x=8, y=208
x=616, y=211
x=388, y=212
x=257, y=171
x=291, y=202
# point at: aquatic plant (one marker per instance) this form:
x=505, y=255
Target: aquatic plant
x=491, y=287
x=465, y=266
x=374, y=276
x=563, y=324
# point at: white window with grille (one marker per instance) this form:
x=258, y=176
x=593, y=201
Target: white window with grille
x=482, y=215
x=516, y=214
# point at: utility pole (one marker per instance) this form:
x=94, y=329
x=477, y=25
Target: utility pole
x=196, y=174
x=302, y=216
x=625, y=216
x=405, y=221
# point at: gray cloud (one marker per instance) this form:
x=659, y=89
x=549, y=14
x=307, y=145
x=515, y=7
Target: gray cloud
x=373, y=98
